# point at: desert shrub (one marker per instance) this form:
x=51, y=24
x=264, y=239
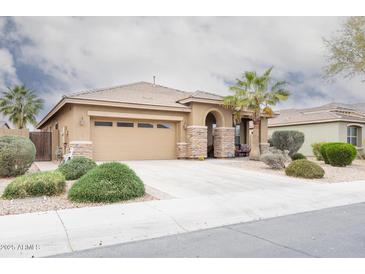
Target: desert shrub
x=275, y=158
x=290, y=140
x=76, y=167
x=298, y=156
x=16, y=155
x=109, y=182
x=304, y=169
x=316, y=148
x=340, y=154
x=340, y=148
x=322, y=150
x=47, y=183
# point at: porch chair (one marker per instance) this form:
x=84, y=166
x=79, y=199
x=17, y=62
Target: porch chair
x=242, y=150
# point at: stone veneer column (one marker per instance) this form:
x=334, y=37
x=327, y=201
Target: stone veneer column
x=264, y=144
x=224, y=142
x=197, y=141
x=181, y=150
x=82, y=148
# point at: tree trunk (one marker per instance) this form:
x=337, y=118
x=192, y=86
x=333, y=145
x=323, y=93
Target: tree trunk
x=255, y=145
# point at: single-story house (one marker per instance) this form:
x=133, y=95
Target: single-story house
x=334, y=122
x=146, y=121
x=4, y=124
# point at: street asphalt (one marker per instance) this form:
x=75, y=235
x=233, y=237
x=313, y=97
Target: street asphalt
x=333, y=232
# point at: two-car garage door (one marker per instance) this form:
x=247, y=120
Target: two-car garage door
x=133, y=139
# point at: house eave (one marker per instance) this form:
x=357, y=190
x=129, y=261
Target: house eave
x=200, y=100
x=67, y=100
x=316, y=122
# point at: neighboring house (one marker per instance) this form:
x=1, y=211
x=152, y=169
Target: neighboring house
x=145, y=121
x=333, y=122
x=3, y=124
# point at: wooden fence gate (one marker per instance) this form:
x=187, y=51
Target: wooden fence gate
x=43, y=145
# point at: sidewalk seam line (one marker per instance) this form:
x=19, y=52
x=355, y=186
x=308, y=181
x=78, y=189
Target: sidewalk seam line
x=272, y=242
x=65, y=229
x=172, y=218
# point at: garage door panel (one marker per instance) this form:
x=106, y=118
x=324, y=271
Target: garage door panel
x=133, y=143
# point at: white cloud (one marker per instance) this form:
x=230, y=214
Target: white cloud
x=188, y=53
x=7, y=69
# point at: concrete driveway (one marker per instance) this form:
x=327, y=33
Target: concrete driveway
x=187, y=179
x=200, y=195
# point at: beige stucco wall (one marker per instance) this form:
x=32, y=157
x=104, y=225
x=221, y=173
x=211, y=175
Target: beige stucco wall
x=313, y=133
x=199, y=112
x=84, y=132
x=66, y=126
x=343, y=132
x=75, y=117
x=13, y=131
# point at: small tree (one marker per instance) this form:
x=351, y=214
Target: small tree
x=257, y=94
x=21, y=105
x=347, y=49
x=290, y=140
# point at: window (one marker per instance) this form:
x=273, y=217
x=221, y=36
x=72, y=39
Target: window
x=145, y=125
x=163, y=126
x=125, y=124
x=237, y=136
x=103, y=124
x=353, y=135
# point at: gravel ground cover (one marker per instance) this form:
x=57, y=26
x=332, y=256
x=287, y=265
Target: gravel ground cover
x=354, y=172
x=37, y=204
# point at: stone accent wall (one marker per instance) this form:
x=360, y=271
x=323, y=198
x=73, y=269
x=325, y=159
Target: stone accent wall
x=181, y=150
x=264, y=147
x=82, y=148
x=224, y=142
x=197, y=141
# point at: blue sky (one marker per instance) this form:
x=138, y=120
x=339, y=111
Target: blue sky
x=60, y=55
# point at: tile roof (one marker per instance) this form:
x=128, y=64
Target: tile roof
x=204, y=95
x=137, y=93
x=328, y=112
x=144, y=93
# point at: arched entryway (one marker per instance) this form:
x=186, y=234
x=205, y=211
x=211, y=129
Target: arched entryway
x=211, y=124
x=213, y=119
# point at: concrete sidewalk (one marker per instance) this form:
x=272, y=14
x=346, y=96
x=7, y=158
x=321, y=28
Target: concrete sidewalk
x=83, y=228
x=336, y=232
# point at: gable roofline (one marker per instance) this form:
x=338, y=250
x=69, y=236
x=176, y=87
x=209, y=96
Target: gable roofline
x=91, y=91
x=95, y=102
x=202, y=97
x=332, y=112
x=315, y=122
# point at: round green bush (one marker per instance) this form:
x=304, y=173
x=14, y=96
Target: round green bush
x=304, y=169
x=316, y=148
x=76, y=167
x=323, y=150
x=47, y=183
x=341, y=154
x=298, y=156
x=16, y=155
x=109, y=182
x=337, y=153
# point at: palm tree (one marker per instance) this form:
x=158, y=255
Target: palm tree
x=256, y=94
x=21, y=105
